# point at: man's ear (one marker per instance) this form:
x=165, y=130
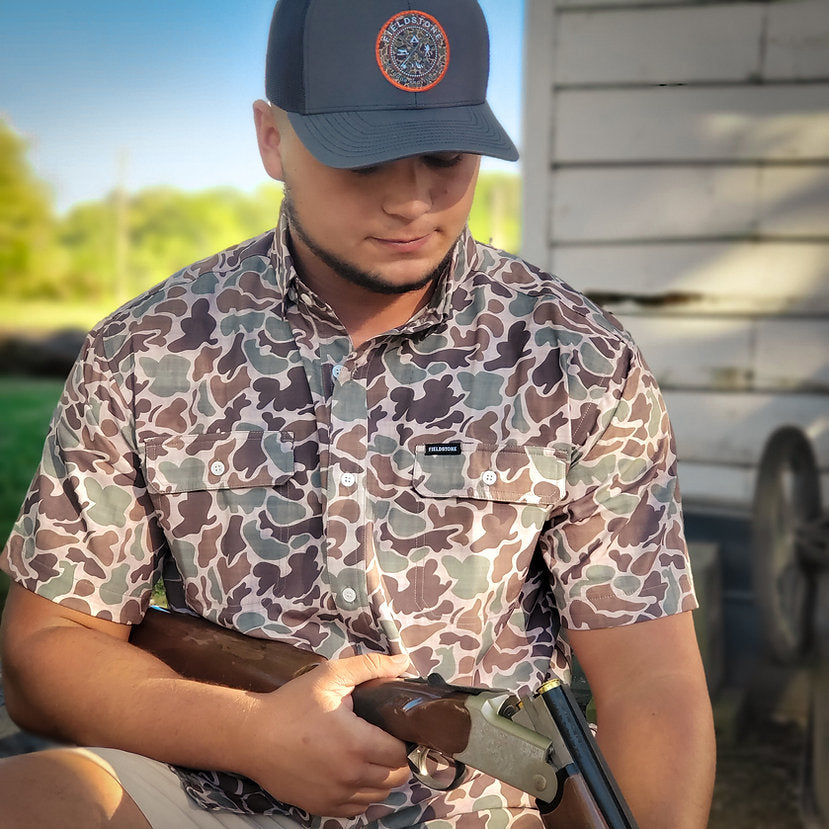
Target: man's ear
x=269, y=136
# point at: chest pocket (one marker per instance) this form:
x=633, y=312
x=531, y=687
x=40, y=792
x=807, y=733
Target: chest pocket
x=227, y=505
x=218, y=461
x=460, y=546
x=513, y=474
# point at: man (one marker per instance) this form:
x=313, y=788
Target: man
x=367, y=434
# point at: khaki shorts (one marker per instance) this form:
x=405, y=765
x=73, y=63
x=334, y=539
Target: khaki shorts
x=158, y=794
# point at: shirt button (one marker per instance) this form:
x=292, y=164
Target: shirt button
x=489, y=477
x=217, y=468
x=348, y=479
x=350, y=595
x=336, y=371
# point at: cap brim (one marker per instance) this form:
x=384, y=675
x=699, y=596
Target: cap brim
x=349, y=140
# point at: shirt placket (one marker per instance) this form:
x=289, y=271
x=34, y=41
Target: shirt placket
x=339, y=380
x=340, y=400
x=347, y=496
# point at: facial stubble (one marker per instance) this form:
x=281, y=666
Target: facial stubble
x=370, y=281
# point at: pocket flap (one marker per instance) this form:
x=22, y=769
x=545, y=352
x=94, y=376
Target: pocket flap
x=518, y=474
x=224, y=460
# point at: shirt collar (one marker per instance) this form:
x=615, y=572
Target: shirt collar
x=457, y=273
x=282, y=261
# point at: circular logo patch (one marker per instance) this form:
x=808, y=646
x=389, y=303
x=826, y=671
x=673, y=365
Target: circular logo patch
x=413, y=51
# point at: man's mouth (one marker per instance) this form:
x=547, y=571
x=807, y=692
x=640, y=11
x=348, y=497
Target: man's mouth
x=404, y=244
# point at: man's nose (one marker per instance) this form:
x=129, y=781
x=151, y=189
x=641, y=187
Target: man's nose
x=408, y=189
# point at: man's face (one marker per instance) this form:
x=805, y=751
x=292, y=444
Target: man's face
x=385, y=228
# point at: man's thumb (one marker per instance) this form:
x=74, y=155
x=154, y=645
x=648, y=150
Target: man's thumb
x=354, y=670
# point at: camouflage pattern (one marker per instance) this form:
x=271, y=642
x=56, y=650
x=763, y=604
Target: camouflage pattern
x=456, y=489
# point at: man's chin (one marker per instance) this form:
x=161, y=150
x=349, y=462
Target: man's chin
x=397, y=278
x=390, y=286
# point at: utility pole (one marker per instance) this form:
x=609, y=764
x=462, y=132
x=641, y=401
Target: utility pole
x=122, y=240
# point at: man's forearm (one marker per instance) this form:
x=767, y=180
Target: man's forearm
x=82, y=686
x=659, y=741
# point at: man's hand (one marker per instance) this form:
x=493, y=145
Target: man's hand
x=308, y=748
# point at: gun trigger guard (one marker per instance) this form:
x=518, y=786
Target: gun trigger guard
x=417, y=759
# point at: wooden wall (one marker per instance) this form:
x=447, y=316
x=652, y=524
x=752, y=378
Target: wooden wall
x=685, y=151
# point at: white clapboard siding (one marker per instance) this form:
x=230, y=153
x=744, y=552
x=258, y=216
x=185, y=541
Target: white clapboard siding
x=734, y=353
x=593, y=5
x=732, y=427
x=684, y=123
x=722, y=277
x=660, y=45
x=677, y=170
x=797, y=41
x=794, y=201
x=582, y=5
x=714, y=42
x=712, y=483
x=789, y=353
x=722, y=485
x=689, y=202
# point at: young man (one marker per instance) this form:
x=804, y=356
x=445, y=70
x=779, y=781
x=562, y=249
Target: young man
x=367, y=434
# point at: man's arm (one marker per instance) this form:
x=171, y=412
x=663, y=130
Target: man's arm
x=655, y=725
x=76, y=678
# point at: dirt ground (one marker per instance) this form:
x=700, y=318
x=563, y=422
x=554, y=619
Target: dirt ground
x=762, y=749
x=760, y=779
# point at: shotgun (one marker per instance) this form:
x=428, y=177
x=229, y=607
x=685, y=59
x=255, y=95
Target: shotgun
x=540, y=744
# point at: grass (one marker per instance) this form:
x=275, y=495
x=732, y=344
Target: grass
x=26, y=406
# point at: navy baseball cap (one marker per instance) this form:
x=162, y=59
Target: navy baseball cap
x=370, y=81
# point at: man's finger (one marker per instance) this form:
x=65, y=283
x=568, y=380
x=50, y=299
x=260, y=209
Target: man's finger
x=354, y=670
x=394, y=776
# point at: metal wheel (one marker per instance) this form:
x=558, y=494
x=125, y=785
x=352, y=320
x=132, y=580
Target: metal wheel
x=786, y=500
x=816, y=766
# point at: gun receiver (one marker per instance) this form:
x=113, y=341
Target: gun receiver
x=539, y=744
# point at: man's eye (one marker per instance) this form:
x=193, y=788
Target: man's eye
x=440, y=161
x=443, y=160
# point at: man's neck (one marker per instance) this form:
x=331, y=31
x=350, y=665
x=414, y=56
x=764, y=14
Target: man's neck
x=373, y=314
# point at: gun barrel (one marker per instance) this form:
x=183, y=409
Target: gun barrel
x=596, y=780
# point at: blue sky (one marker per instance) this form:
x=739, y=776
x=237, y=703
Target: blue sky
x=159, y=92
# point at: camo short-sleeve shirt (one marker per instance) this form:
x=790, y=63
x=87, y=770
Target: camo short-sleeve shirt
x=457, y=489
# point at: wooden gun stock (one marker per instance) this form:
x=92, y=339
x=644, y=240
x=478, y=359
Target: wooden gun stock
x=197, y=649
x=417, y=712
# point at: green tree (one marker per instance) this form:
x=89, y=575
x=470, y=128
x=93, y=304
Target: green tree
x=168, y=229
x=120, y=246
x=106, y=251
x=495, y=217
x=87, y=238
x=27, y=249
